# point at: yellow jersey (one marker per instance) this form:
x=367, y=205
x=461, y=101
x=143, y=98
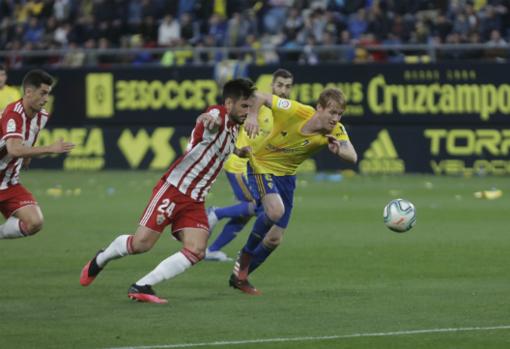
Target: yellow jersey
x=8, y=94
x=234, y=163
x=287, y=147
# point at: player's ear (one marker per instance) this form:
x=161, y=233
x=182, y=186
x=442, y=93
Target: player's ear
x=229, y=103
x=29, y=90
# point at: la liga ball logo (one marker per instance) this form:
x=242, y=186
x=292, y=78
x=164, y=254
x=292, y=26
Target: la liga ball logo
x=283, y=104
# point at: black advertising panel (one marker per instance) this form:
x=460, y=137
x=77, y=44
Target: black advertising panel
x=377, y=94
x=115, y=148
x=462, y=150
x=407, y=94
x=148, y=96
x=449, y=119
x=381, y=150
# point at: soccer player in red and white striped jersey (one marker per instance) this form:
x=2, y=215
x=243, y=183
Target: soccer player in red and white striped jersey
x=178, y=198
x=20, y=124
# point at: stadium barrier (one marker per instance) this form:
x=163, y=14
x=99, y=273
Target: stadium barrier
x=434, y=118
x=265, y=54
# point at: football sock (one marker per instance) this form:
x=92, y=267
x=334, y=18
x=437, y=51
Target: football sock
x=259, y=256
x=241, y=209
x=12, y=229
x=241, y=266
x=229, y=232
x=170, y=267
x=260, y=229
x=119, y=247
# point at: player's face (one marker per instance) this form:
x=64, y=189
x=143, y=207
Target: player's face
x=37, y=97
x=330, y=115
x=238, y=109
x=282, y=87
x=3, y=78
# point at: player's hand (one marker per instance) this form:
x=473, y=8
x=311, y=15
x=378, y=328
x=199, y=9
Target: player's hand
x=333, y=144
x=243, y=152
x=251, y=126
x=210, y=122
x=62, y=147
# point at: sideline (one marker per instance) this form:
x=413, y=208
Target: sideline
x=316, y=338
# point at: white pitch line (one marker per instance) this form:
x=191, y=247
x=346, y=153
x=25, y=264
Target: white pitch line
x=317, y=338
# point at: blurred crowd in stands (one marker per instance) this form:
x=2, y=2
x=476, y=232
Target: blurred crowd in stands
x=276, y=30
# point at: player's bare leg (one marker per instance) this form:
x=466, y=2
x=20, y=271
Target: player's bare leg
x=273, y=206
x=194, y=244
x=25, y=221
x=143, y=240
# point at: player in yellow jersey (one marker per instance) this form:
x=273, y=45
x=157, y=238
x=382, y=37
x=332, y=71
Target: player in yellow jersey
x=8, y=94
x=235, y=169
x=298, y=132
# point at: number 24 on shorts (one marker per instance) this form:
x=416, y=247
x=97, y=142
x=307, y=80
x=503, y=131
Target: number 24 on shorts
x=166, y=207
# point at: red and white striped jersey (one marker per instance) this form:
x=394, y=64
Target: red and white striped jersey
x=196, y=170
x=14, y=123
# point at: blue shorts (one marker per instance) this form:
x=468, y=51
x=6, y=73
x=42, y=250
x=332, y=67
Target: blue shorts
x=240, y=186
x=262, y=184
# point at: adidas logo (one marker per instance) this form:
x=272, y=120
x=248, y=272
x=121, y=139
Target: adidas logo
x=382, y=147
x=381, y=157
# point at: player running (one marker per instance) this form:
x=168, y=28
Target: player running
x=235, y=169
x=20, y=125
x=299, y=131
x=178, y=198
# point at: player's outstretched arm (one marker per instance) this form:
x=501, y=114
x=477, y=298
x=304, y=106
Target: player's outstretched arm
x=16, y=148
x=344, y=149
x=264, y=99
x=251, y=125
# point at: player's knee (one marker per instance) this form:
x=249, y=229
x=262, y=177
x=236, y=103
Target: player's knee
x=141, y=245
x=200, y=253
x=197, y=253
x=274, y=213
x=33, y=226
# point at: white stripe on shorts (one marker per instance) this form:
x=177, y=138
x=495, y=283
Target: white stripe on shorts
x=153, y=203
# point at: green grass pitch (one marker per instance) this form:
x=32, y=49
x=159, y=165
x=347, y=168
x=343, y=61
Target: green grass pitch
x=338, y=272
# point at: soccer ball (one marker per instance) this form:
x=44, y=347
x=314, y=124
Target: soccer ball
x=399, y=215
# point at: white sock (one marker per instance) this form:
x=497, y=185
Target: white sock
x=118, y=248
x=10, y=229
x=167, y=269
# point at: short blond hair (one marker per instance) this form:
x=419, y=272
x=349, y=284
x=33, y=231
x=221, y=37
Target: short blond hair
x=329, y=95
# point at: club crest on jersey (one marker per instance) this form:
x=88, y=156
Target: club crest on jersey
x=160, y=219
x=214, y=112
x=11, y=126
x=283, y=103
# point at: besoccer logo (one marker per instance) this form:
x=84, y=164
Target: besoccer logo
x=381, y=157
x=99, y=95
